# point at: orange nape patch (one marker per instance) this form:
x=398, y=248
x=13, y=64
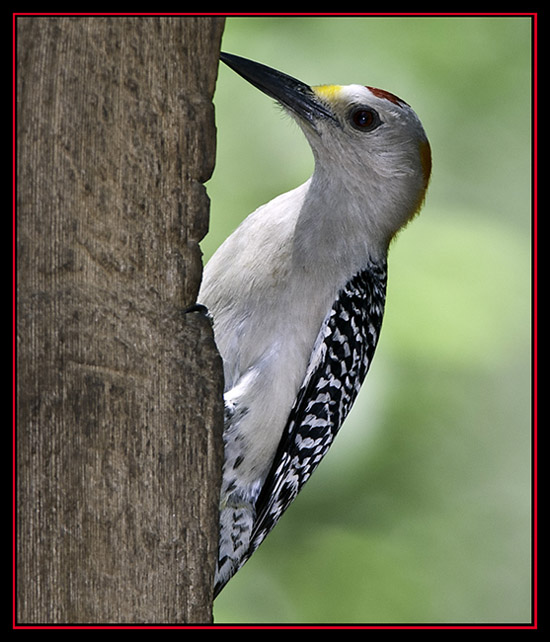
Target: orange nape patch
x=382, y=93
x=426, y=164
x=426, y=161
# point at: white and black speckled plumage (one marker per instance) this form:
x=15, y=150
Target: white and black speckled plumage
x=339, y=363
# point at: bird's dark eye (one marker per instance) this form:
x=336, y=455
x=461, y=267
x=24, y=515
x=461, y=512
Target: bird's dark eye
x=365, y=119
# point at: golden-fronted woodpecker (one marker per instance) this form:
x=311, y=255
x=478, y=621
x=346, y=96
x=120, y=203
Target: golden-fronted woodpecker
x=297, y=295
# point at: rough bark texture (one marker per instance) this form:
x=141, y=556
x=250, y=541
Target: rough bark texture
x=119, y=391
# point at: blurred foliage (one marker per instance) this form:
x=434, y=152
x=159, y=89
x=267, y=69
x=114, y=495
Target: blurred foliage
x=421, y=512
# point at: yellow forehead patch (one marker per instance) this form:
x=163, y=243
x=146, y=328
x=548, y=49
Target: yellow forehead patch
x=328, y=92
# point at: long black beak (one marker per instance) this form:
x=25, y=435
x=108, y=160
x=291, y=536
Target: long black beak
x=293, y=94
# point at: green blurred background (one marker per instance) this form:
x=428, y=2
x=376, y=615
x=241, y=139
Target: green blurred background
x=421, y=511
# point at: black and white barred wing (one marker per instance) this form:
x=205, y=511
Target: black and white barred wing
x=339, y=364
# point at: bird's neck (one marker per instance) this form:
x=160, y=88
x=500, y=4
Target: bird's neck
x=335, y=230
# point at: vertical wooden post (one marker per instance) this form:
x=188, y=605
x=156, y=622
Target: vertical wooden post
x=119, y=391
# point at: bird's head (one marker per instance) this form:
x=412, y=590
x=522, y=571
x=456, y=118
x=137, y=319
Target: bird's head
x=367, y=142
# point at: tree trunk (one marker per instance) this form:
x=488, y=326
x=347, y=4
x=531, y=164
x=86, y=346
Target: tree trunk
x=119, y=392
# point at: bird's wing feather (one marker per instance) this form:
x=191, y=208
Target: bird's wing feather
x=339, y=363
